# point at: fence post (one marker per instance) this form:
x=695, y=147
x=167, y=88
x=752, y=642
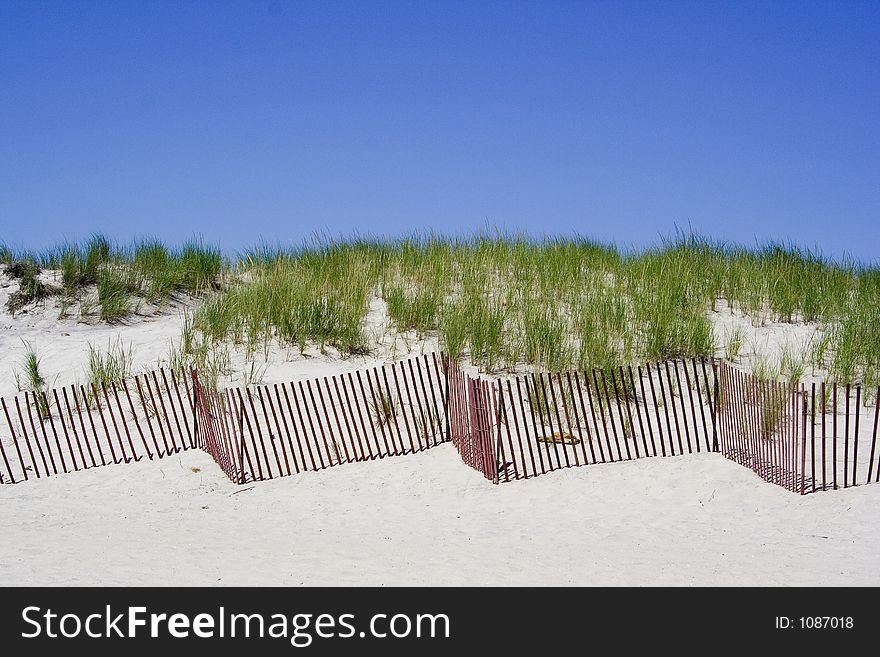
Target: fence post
x=241, y=443
x=803, y=438
x=873, y=437
x=445, y=359
x=856, y=433
x=716, y=405
x=495, y=419
x=6, y=461
x=196, y=389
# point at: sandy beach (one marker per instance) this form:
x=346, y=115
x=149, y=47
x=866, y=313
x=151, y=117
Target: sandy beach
x=422, y=519
x=427, y=520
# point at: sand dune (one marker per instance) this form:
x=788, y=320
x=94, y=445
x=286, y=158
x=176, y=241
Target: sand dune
x=423, y=519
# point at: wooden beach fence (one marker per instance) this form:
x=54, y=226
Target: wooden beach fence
x=79, y=427
x=277, y=430
x=472, y=409
x=805, y=439
x=543, y=422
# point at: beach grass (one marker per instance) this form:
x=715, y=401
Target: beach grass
x=507, y=300
x=119, y=275
x=500, y=300
x=29, y=377
x=113, y=365
x=30, y=288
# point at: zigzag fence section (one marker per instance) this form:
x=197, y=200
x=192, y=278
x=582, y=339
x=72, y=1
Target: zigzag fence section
x=529, y=425
x=471, y=411
x=268, y=431
x=79, y=427
x=804, y=439
x=210, y=412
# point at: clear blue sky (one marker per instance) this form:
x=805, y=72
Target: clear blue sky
x=249, y=120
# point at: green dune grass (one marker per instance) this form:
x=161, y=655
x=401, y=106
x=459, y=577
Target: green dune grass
x=500, y=300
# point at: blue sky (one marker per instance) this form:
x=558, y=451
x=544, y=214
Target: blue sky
x=249, y=121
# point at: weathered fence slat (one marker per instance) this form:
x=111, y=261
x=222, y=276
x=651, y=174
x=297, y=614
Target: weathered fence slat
x=769, y=427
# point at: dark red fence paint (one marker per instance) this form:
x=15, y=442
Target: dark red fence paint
x=781, y=431
x=267, y=431
x=80, y=427
x=524, y=426
x=507, y=429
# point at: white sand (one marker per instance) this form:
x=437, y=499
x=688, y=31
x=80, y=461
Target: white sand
x=763, y=340
x=422, y=519
x=427, y=519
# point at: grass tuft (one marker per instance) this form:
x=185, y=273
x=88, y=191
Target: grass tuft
x=30, y=378
x=111, y=366
x=30, y=288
